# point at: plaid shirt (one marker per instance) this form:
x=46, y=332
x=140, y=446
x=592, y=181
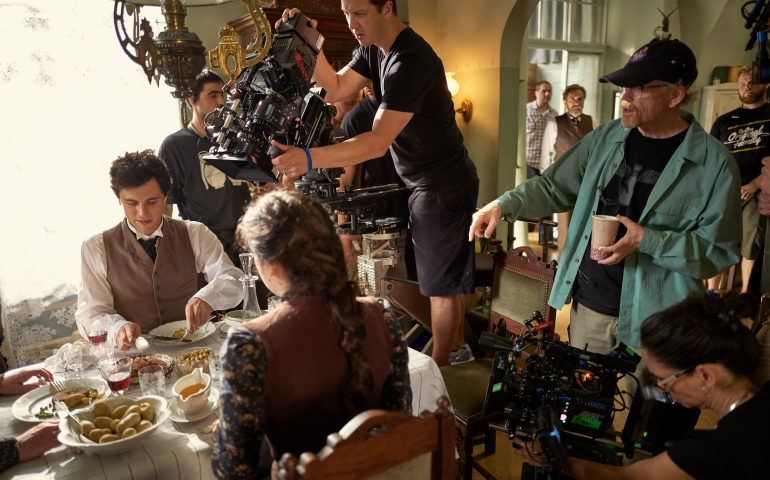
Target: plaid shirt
x=536, y=123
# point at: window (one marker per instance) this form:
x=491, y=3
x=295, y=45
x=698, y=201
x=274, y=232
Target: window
x=566, y=45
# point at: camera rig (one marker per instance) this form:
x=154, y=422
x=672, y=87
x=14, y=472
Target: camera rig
x=273, y=100
x=564, y=396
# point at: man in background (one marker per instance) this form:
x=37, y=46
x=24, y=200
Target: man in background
x=746, y=133
x=560, y=135
x=201, y=192
x=539, y=113
x=673, y=188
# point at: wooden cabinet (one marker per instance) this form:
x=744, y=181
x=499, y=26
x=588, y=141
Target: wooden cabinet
x=717, y=100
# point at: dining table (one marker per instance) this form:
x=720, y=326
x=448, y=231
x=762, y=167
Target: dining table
x=177, y=450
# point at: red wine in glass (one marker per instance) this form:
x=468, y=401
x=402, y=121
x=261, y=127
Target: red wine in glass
x=97, y=337
x=119, y=382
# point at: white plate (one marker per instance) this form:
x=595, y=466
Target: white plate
x=29, y=404
x=177, y=415
x=168, y=329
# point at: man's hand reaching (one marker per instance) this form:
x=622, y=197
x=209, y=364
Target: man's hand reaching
x=127, y=335
x=485, y=221
x=197, y=312
x=347, y=246
x=289, y=13
x=292, y=162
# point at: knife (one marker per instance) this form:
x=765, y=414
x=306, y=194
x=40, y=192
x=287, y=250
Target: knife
x=167, y=339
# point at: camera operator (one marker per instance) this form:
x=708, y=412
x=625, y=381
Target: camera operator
x=700, y=354
x=416, y=115
x=673, y=187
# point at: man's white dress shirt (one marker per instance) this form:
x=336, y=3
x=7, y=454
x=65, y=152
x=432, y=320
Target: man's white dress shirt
x=95, y=299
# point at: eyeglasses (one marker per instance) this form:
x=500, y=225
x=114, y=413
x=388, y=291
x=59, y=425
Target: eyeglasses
x=637, y=92
x=661, y=383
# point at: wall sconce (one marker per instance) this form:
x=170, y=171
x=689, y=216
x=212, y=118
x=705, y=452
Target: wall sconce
x=466, y=107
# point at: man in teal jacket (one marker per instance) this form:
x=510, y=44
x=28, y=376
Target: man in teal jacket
x=674, y=189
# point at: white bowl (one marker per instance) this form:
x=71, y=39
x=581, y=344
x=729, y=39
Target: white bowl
x=197, y=401
x=71, y=438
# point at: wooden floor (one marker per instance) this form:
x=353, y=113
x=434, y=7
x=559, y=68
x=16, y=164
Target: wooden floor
x=504, y=464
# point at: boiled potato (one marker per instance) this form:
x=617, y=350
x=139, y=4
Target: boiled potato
x=129, y=421
x=147, y=411
x=143, y=425
x=132, y=409
x=98, y=433
x=129, y=432
x=114, y=425
x=74, y=401
x=101, y=409
x=120, y=411
x=87, y=427
x=108, y=438
x=102, y=422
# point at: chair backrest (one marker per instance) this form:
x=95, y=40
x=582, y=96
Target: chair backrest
x=382, y=444
x=521, y=286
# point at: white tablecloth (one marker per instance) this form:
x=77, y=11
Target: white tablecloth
x=177, y=450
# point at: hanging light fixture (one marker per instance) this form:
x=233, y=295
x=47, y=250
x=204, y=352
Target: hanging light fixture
x=176, y=53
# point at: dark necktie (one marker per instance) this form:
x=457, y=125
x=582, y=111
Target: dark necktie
x=575, y=123
x=149, y=247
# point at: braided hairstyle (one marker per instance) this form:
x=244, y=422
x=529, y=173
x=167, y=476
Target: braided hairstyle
x=295, y=232
x=704, y=329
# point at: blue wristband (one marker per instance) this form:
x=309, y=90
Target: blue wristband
x=309, y=160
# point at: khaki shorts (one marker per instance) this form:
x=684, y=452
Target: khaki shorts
x=754, y=229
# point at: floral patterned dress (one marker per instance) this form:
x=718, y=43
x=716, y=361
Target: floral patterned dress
x=244, y=410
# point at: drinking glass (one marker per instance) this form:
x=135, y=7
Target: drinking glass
x=117, y=372
x=96, y=332
x=152, y=380
x=74, y=357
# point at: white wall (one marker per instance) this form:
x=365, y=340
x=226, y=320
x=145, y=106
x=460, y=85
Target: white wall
x=72, y=102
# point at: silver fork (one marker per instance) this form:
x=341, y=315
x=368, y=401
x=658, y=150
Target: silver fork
x=187, y=335
x=57, y=385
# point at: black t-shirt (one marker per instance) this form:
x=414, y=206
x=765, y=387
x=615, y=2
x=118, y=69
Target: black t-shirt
x=377, y=171
x=410, y=78
x=735, y=449
x=201, y=192
x=746, y=133
x=598, y=287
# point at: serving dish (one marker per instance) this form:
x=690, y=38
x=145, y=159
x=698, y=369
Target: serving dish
x=71, y=438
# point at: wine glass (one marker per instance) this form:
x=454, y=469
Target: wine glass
x=74, y=357
x=117, y=372
x=96, y=332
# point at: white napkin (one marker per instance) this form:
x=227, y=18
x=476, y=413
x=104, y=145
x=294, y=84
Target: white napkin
x=58, y=362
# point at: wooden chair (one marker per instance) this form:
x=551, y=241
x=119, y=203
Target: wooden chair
x=522, y=284
x=382, y=445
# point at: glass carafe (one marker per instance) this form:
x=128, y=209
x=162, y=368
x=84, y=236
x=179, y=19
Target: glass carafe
x=250, y=304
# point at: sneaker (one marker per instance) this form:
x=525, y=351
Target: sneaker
x=461, y=355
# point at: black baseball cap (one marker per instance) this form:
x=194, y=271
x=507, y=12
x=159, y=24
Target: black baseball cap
x=667, y=60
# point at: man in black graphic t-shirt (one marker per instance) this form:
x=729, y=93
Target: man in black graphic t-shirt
x=416, y=120
x=746, y=133
x=200, y=191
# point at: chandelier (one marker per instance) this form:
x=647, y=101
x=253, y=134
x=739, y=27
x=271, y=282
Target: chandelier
x=177, y=53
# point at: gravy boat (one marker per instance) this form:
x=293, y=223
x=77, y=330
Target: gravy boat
x=197, y=401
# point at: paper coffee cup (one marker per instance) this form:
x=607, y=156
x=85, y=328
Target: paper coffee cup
x=605, y=230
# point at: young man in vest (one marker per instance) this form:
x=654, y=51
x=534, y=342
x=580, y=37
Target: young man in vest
x=143, y=272
x=560, y=135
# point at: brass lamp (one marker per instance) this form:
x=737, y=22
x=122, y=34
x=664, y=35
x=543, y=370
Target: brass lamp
x=466, y=107
x=176, y=53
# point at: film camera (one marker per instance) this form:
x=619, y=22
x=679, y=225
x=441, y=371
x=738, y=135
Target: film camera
x=273, y=100
x=565, y=397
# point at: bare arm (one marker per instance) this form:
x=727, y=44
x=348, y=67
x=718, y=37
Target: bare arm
x=659, y=466
x=387, y=125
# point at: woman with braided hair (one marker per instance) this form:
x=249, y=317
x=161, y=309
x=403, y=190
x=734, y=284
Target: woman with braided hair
x=322, y=356
x=702, y=356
